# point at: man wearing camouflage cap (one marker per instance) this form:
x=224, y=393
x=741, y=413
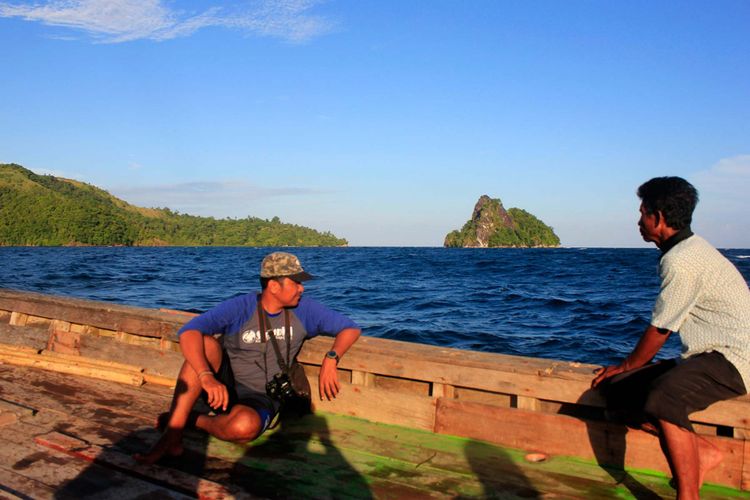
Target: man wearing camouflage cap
x=231, y=372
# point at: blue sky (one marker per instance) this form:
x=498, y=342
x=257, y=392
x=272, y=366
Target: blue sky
x=384, y=121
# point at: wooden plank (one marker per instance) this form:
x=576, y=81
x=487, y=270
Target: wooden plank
x=363, y=378
x=409, y=364
x=36, y=469
x=526, y=403
x=7, y=418
x=524, y=377
x=37, y=321
x=417, y=388
x=443, y=391
x=379, y=405
x=608, y=444
x=23, y=351
x=181, y=481
x=547, y=380
x=152, y=378
x=64, y=366
x=332, y=454
x=147, y=322
x=485, y=397
x=18, y=319
x=168, y=345
x=64, y=341
x=108, y=410
x=103, y=363
x=16, y=408
x=22, y=487
x=60, y=325
x=28, y=470
x=52, y=468
x=732, y=413
x=409, y=351
x=485, y=371
x=123, y=406
x=328, y=467
x=18, y=349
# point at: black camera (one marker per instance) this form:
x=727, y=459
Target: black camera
x=280, y=387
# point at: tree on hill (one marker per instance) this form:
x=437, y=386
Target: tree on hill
x=47, y=210
x=492, y=226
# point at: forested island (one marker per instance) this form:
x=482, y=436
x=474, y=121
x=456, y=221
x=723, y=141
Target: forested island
x=43, y=210
x=492, y=226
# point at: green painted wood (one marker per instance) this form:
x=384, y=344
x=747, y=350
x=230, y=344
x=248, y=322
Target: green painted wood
x=312, y=455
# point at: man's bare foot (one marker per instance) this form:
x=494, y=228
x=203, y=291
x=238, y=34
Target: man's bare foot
x=709, y=457
x=170, y=444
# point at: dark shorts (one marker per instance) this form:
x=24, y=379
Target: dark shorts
x=671, y=390
x=238, y=394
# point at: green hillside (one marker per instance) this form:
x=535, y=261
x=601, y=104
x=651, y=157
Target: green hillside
x=491, y=226
x=46, y=210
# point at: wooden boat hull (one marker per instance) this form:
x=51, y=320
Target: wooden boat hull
x=531, y=405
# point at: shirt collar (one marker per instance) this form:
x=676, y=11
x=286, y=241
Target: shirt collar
x=681, y=235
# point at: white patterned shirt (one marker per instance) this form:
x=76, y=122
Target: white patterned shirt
x=706, y=299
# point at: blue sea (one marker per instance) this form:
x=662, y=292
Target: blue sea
x=576, y=304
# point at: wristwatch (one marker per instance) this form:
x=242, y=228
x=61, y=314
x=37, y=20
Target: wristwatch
x=333, y=355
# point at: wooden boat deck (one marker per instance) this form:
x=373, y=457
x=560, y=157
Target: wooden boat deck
x=68, y=436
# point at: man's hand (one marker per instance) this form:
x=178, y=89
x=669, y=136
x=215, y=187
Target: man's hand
x=648, y=345
x=328, y=381
x=605, y=373
x=218, y=396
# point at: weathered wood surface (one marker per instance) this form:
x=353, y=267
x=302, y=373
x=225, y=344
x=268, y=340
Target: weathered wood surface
x=607, y=444
x=530, y=378
x=74, y=437
x=114, y=317
x=549, y=380
x=178, y=480
x=534, y=404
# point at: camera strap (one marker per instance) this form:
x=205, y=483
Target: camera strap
x=264, y=323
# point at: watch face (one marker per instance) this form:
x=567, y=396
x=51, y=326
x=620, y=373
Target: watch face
x=332, y=354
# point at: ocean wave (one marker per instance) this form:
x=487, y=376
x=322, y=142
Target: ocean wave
x=589, y=305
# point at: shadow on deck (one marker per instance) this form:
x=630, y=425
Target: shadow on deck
x=317, y=456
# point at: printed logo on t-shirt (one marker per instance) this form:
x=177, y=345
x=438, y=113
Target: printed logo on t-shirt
x=253, y=336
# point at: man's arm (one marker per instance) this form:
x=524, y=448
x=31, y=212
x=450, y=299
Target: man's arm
x=192, y=346
x=328, y=381
x=649, y=344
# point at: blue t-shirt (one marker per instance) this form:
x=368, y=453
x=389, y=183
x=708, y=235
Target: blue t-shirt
x=251, y=355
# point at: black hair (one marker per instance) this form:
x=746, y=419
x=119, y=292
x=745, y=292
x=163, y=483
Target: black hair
x=674, y=197
x=264, y=281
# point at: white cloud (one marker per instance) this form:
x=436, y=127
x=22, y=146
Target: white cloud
x=218, y=199
x=114, y=21
x=724, y=202
x=726, y=184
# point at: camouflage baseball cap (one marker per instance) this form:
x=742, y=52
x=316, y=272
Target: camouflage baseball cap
x=283, y=265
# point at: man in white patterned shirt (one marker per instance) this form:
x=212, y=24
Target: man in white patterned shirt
x=706, y=300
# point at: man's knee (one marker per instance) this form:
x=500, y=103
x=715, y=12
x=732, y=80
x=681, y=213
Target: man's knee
x=662, y=406
x=244, y=424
